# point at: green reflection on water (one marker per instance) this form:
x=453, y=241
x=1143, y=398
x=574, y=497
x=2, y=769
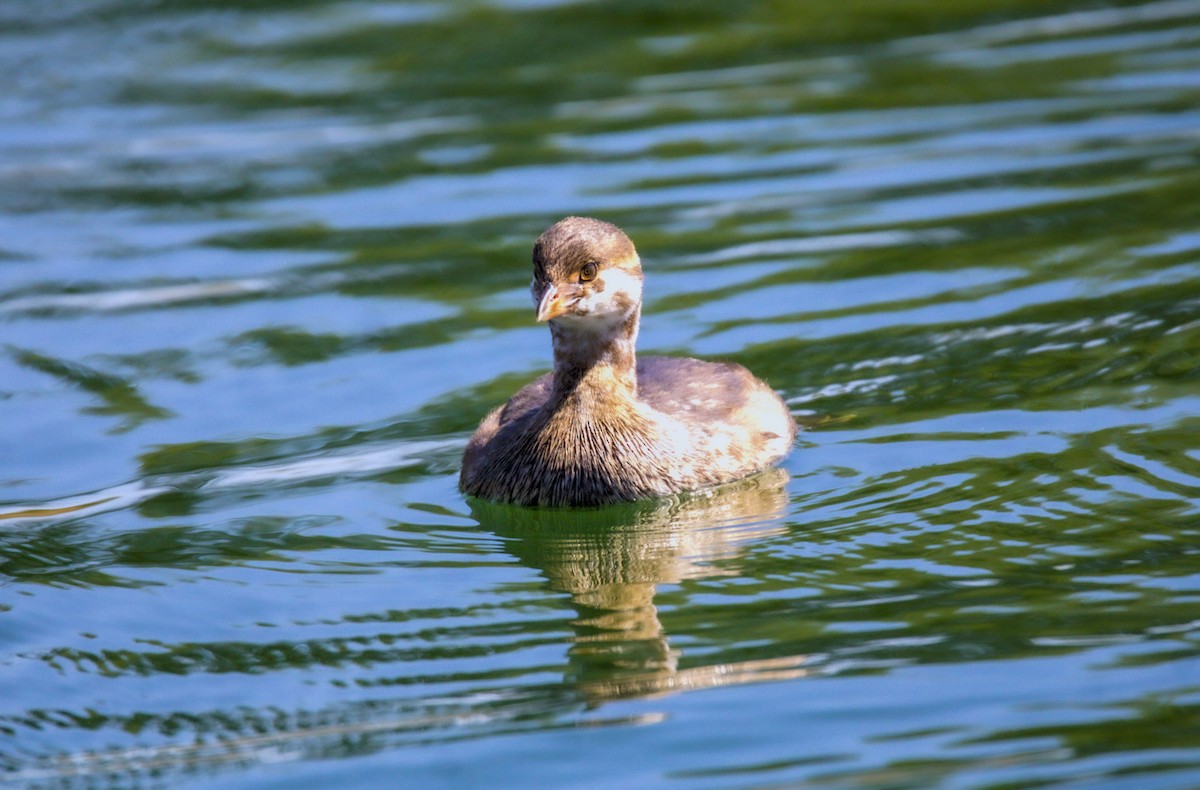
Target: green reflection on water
x=265, y=268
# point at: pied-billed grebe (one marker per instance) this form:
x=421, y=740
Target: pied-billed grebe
x=604, y=427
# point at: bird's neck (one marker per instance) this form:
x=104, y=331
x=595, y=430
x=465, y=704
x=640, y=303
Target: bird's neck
x=595, y=360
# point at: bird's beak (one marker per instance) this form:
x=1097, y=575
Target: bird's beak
x=552, y=305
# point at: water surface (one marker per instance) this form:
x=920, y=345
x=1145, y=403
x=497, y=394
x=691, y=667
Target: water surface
x=264, y=266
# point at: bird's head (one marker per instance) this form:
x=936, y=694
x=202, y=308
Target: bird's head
x=586, y=274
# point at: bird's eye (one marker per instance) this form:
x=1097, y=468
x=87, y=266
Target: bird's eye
x=588, y=272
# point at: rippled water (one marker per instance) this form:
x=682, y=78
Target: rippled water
x=263, y=267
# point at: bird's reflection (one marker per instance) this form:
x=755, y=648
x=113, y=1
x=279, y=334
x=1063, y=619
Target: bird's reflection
x=611, y=560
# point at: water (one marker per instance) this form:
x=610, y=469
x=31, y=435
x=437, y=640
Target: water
x=264, y=266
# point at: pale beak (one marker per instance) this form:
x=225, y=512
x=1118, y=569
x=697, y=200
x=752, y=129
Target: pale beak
x=552, y=305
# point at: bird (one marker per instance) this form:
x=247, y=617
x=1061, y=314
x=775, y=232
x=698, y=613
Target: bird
x=606, y=426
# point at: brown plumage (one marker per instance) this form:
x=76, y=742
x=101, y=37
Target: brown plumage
x=604, y=426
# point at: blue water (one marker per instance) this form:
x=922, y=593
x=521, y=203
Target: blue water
x=264, y=267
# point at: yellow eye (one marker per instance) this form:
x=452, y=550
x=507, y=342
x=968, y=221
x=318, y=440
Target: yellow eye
x=588, y=272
